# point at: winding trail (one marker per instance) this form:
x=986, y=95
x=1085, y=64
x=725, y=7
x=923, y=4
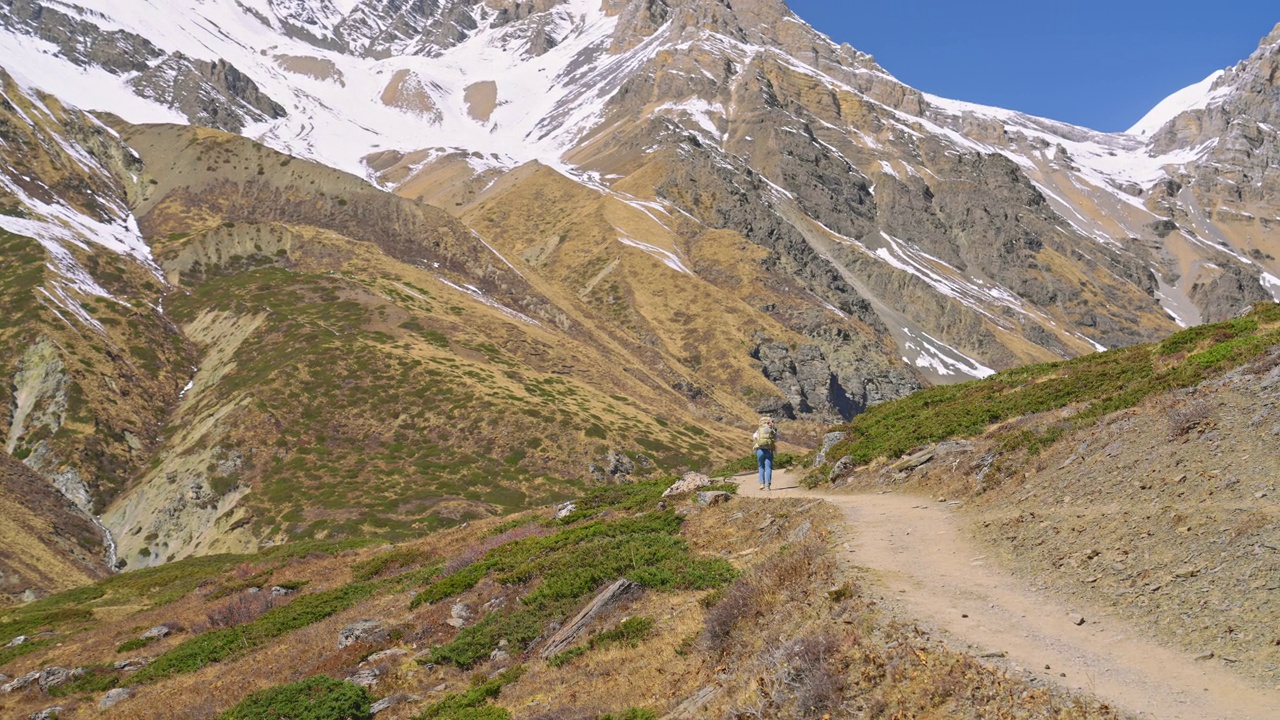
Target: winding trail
x=924, y=564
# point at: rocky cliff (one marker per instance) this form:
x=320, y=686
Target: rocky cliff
x=475, y=250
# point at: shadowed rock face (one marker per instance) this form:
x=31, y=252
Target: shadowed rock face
x=210, y=94
x=50, y=544
x=80, y=41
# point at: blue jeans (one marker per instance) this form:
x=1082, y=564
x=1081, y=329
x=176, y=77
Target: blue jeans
x=764, y=460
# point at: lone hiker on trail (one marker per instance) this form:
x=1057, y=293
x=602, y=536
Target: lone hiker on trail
x=765, y=437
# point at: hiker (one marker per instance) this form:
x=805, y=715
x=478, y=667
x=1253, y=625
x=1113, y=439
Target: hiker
x=764, y=439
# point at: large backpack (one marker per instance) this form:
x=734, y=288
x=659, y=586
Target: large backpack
x=765, y=436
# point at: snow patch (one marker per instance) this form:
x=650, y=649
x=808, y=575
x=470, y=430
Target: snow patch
x=667, y=257
x=1192, y=97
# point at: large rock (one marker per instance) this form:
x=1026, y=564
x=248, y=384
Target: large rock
x=459, y=615
x=370, y=631
x=828, y=441
x=566, y=635
x=114, y=697
x=811, y=390
x=690, y=482
x=614, y=468
x=156, y=633
x=21, y=682
x=713, y=497
x=54, y=676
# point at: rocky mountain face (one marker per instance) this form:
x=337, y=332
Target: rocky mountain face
x=458, y=253
x=47, y=544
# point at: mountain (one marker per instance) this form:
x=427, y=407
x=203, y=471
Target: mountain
x=1152, y=512
x=47, y=544
x=293, y=269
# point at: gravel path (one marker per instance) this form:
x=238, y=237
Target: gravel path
x=940, y=577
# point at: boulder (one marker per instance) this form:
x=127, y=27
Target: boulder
x=55, y=676
x=157, y=633
x=842, y=468
x=389, y=654
x=131, y=665
x=391, y=701
x=365, y=677
x=20, y=682
x=801, y=532
x=278, y=591
x=114, y=697
x=614, y=468
x=828, y=441
x=370, y=631
x=17, y=641
x=713, y=497
x=46, y=714
x=565, y=510
x=459, y=614
x=690, y=482
x=914, y=461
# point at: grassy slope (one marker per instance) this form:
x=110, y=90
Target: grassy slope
x=1094, y=385
x=45, y=543
x=357, y=392
x=792, y=649
x=1139, y=480
x=116, y=383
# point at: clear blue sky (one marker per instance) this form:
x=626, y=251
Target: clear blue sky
x=1098, y=63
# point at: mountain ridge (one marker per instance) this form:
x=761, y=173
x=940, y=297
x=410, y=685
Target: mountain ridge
x=707, y=209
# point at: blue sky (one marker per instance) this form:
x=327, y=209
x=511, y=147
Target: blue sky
x=1101, y=64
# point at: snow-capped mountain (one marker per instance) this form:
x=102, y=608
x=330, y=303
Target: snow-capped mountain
x=394, y=90
x=706, y=205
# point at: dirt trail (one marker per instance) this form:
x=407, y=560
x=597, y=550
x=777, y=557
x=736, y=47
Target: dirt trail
x=937, y=575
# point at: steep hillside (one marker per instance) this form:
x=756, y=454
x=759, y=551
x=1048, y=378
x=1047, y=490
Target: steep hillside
x=737, y=608
x=47, y=544
x=369, y=365
x=962, y=238
x=90, y=363
x=1141, y=480
x=516, y=248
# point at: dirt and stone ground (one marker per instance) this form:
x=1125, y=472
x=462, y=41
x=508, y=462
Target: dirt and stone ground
x=930, y=569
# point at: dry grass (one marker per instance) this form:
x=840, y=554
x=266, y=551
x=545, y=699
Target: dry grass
x=791, y=646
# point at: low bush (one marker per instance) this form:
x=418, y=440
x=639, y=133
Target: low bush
x=474, y=704
x=243, y=608
x=568, y=567
x=317, y=698
x=135, y=644
x=217, y=645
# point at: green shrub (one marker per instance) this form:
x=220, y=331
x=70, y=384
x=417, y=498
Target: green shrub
x=571, y=565
x=317, y=698
x=629, y=632
x=135, y=644
x=100, y=678
x=218, y=645
x=566, y=657
x=474, y=704
x=390, y=560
